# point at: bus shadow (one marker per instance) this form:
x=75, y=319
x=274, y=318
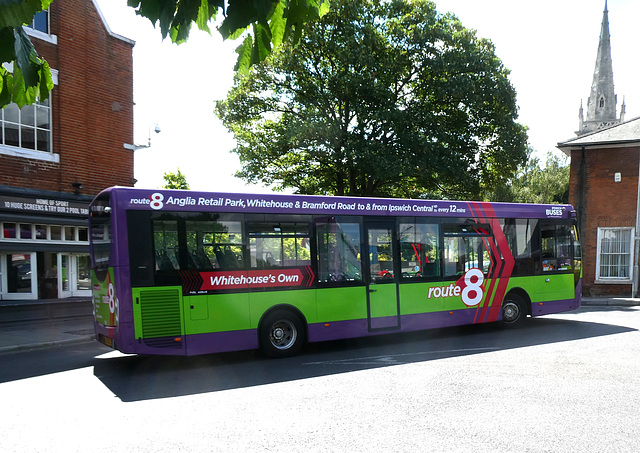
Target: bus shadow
x=136, y=378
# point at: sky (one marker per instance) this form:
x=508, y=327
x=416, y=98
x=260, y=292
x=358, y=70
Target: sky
x=550, y=47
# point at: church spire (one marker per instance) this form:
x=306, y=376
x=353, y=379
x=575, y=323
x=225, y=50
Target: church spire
x=601, y=105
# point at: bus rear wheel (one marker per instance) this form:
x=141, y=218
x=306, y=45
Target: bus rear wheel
x=281, y=334
x=514, y=311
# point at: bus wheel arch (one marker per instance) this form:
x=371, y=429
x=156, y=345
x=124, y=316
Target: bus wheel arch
x=282, y=331
x=516, y=305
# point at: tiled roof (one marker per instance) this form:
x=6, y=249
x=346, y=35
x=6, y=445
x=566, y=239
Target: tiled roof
x=621, y=134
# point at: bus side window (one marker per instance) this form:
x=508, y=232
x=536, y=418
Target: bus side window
x=216, y=245
x=339, y=257
x=419, y=249
x=279, y=244
x=556, y=247
x=165, y=244
x=465, y=248
x=523, y=243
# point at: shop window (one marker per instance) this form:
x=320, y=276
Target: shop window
x=41, y=232
x=9, y=230
x=25, y=231
x=19, y=273
x=56, y=232
x=419, y=249
x=339, y=255
x=83, y=234
x=69, y=234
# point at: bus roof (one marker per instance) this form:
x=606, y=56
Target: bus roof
x=128, y=198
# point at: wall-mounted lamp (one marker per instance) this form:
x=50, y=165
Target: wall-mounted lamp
x=77, y=187
x=133, y=147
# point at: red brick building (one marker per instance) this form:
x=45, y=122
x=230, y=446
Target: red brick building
x=56, y=155
x=604, y=184
x=603, y=188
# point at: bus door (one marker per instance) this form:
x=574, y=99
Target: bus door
x=383, y=276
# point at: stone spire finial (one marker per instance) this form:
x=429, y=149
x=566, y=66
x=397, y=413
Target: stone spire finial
x=601, y=105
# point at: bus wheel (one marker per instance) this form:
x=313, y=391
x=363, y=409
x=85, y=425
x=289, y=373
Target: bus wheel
x=281, y=334
x=514, y=311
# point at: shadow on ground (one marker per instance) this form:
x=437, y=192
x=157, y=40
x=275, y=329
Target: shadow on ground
x=134, y=378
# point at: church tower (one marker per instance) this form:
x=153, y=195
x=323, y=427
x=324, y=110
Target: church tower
x=602, y=102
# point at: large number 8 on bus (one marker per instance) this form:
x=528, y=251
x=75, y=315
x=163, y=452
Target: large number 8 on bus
x=472, y=293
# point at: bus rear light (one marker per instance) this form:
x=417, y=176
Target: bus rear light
x=327, y=325
x=177, y=339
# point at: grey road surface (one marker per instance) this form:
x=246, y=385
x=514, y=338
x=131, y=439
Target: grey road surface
x=563, y=383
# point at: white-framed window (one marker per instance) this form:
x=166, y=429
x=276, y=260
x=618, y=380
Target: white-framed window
x=40, y=27
x=28, y=128
x=18, y=275
x=40, y=22
x=27, y=232
x=614, y=255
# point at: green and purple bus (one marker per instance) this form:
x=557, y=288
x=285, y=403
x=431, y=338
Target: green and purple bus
x=186, y=272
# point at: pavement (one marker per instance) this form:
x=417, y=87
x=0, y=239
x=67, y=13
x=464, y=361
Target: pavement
x=44, y=323
x=55, y=322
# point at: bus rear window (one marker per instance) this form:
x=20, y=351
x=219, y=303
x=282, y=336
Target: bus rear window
x=100, y=235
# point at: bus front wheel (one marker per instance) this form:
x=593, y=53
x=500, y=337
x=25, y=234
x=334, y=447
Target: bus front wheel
x=281, y=334
x=514, y=311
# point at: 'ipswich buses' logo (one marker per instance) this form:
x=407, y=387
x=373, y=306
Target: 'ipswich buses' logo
x=555, y=211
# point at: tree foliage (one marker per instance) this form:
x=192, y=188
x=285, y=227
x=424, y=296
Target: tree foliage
x=379, y=98
x=175, y=181
x=534, y=183
x=268, y=22
x=27, y=76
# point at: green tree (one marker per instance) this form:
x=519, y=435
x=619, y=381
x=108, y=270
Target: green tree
x=270, y=23
x=28, y=76
x=175, y=181
x=533, y=183
x=379, y=98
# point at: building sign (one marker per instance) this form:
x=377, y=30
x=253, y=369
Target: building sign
x=43, y=205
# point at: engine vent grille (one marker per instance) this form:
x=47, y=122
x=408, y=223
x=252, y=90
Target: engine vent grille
x=161, y=321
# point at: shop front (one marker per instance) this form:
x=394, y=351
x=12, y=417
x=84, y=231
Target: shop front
x=44, y=245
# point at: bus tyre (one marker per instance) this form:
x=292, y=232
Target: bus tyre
x=281, y=334
x=514, y=311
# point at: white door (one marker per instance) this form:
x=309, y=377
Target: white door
x=73, y=275
x=64, y=275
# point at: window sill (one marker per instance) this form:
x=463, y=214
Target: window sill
x=626, y=281
x=29, y=154
x=53, y=39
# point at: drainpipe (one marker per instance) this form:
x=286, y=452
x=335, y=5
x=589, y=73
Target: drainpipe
x=634, y=289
